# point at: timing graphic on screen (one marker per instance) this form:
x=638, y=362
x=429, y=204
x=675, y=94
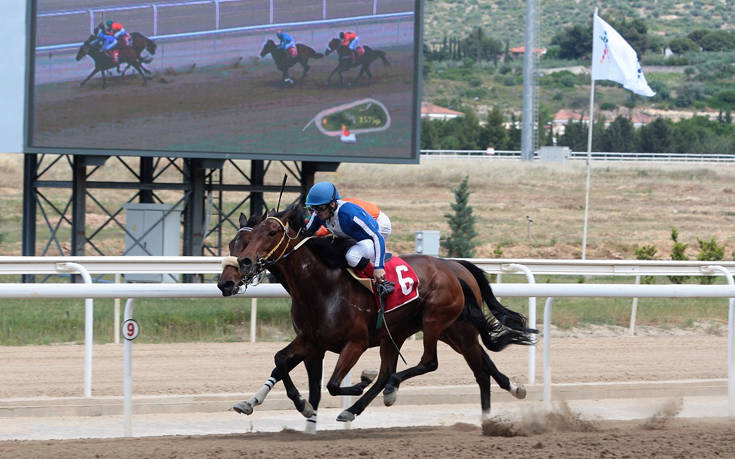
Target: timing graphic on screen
x=347, y=120
x=235, y=79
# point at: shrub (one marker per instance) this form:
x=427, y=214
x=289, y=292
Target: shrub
x=646, y=252
x=709, y=251
x=677, y=253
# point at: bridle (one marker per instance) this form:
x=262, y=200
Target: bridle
x=262, y=263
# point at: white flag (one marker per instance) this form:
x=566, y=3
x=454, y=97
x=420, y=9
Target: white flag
x=614, y=59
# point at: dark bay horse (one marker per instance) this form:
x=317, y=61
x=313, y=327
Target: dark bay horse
x=103, y=62
x=284, y=61
x=347, y=60
x=331, y=312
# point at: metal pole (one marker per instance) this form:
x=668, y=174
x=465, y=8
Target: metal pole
x=528, y=85
x=634, y=310
x=547, y=353
x=253, y=318
x=531, y=317
x=116, y=320
x=88, y=323
x=128, y=375
x=589, y=163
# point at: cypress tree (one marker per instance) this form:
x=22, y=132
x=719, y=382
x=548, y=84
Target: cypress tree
x=459, y=243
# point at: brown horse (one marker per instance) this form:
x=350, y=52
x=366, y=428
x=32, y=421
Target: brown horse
x=348, y=60
x=331, y=312
x=284, y=61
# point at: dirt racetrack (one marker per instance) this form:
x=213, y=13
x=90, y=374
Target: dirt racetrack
x=242, y=367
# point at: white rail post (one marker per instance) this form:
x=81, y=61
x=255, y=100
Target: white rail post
x=730, y=339
x=634, y=309
x=88, y=323
x=116, y=319
x=253, y=318
x=513, y=267
x=547, y=353
x=128, y=375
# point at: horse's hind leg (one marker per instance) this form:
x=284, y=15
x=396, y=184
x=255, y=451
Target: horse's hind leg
x=348, y=357
x=388, y=363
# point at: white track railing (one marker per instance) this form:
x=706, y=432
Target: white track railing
x=32, y=291
x=594, y=156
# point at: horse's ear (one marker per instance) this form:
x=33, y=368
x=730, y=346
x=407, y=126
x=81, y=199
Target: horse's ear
x=243, y=220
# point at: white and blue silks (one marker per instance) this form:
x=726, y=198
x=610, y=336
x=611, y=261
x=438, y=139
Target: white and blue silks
x=351, y=221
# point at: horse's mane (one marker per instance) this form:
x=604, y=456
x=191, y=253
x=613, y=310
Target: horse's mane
x=330, y=250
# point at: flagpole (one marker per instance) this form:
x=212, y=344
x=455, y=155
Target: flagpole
x=589, y=161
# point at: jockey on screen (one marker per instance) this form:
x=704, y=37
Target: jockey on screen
x=351, y=41
x=348, y=220
x=119, y=36
x=286, y=42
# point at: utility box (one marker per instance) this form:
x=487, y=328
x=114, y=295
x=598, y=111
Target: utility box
x=427, y=242
x=554, y=154
x=152, y=230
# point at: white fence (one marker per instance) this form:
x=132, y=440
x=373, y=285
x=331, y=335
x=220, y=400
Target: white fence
x=702, y=158
x=110, y=265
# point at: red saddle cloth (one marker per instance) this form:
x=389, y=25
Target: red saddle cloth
x=293, y=52
x=406, y=283
x=360, y=50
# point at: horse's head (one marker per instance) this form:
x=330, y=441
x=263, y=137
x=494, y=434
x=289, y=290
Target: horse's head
x=269, y=46
x=86, y=47
x=271, y=240
x=333, y=45
x=230, y=280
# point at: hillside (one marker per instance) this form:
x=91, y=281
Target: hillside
x=505, y=19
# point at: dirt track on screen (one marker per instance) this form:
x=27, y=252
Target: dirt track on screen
x=242, y=368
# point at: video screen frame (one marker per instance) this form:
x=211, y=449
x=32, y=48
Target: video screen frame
x=399, y=144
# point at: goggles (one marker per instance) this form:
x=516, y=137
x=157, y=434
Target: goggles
x=319, y=208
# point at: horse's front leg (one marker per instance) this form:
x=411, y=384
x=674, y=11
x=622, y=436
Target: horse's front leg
x=388, y=364
x=297, y=349
x=329, y=79
x=142, y=75
x=306, y=69
x=246, y=407
x=90, y=76
x=348, y=357
x=314, y=365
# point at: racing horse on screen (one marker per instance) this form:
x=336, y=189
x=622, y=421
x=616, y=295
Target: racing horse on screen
x=130, y=55
x=332, y=312
x=347, y=60
x=284, y=61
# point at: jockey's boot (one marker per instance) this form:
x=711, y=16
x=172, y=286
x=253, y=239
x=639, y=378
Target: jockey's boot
x=365, y=268
x=116, y=56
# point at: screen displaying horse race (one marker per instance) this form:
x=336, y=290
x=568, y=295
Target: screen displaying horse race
x=311, y=80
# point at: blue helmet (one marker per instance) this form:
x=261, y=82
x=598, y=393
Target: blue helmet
x=321, y=193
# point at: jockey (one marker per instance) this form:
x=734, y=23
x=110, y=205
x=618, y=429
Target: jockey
x=119, y=35
x=351, y=41
x=286, y=42
x=348, y=220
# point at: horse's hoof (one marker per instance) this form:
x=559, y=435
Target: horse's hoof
x=519, y=392
x=346, y=416
x=308, y=411
x=389, y=396
x=368, y=376
x=243, y=408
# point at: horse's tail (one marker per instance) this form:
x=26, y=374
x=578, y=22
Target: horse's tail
x=150, y=45
x=501, y=328
x=312, y=52
x=381, y=55
x=145, y=60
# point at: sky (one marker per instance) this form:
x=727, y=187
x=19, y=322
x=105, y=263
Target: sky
x=12, y=77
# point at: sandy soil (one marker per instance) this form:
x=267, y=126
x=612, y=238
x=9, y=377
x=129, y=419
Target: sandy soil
x=242, y=367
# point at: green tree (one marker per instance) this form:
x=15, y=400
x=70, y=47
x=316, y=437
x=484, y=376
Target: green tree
x=635, y=32
x=460, y=242
x=574, y=42
x=655, y=137
x=682, y=45
x=619, y=136
x=494, y=133
x=718, y=40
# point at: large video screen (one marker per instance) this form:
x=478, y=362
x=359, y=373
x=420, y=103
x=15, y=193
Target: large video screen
x=311, y=80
